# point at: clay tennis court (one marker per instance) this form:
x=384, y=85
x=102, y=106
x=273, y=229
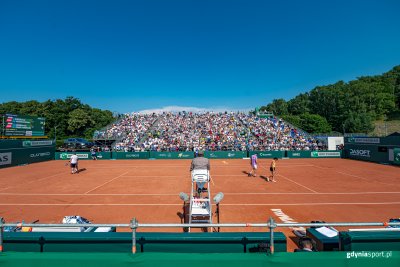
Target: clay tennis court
x=333, y=190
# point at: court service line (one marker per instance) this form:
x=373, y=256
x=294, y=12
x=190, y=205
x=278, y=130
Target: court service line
x=319, y=167
x=223, y=204
x=366, y=179
x=176, y=194
x=106, y=182
x=348, y=174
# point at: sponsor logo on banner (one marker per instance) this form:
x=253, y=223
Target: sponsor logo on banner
x=42, y=154
x=5, y=158
x=80, y=156
x=182, y=155
x=296, y=154
x=360, y=153
x=132, y=155
x=365, y=140
x=37, y=143
x=316, y=154
x=397, y=156
x=230, y=155
x=212, y=155
x=265, y=154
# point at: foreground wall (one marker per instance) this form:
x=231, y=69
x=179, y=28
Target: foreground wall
x=283, y=259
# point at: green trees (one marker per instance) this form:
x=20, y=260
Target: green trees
x=349, y=107
x=70, y=117
x=312, y=123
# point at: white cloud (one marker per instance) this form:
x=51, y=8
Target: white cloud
x=175, y=109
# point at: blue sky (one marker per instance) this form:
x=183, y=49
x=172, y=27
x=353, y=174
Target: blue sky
x=133, y=55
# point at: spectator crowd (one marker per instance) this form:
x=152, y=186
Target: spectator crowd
x=187, y=131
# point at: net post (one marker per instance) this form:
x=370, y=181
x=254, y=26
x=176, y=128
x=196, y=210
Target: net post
x=272, y=226
x=134, y=226
x=1, y=233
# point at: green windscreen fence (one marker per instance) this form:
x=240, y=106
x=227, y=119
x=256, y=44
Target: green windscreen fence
x=314, y=154
x=172, y=155
x=237, y=242
x=225, y=154
x=370, y=240
x=130, y=155
x=20, y=152
x=82, y=155
x=367, y=153
x=396, y=156
x=375, y=149
x=268, y=154
x=282, y=259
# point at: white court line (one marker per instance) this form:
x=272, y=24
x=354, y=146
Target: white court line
x=319, y=167
x=176, y=194
x=106, y=182
x=348, y=174
x=298, y=183
x=223, y=204
x=294, y=181
x=366, y=179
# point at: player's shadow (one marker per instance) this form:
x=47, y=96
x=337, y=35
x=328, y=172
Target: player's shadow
x=265, y=178
x=82, y=170
x=246, y=172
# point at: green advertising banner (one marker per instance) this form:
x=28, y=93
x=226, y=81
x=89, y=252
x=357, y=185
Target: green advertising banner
x=225, y=154
x=326, y=154
x=396, y=158
x=82, y=155
x=17, y=152
x=299, y=154
x=169, y=259
x=172, y=155
x=67, y=155
x=130, y=155
x=268, y=154
x=366, y=153
x=103, y=155
x=388, y=140
x=4, y=144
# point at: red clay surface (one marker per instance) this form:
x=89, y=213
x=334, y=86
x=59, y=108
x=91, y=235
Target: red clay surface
x=333, y=190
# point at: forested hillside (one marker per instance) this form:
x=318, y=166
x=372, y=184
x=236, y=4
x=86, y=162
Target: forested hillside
x=69, y=116
x=343, y=107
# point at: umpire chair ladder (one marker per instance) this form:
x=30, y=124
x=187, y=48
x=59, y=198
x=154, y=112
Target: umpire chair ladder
x=200, y=210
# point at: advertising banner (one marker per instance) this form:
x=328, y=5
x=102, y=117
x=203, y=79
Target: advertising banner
x=130, y=155
x=268, y=154
x=326, y=154
x=17, y=152
x=225, y=154
x=396, y=157
x=172, y=155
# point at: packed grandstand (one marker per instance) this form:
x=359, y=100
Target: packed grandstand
x=187, y=131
